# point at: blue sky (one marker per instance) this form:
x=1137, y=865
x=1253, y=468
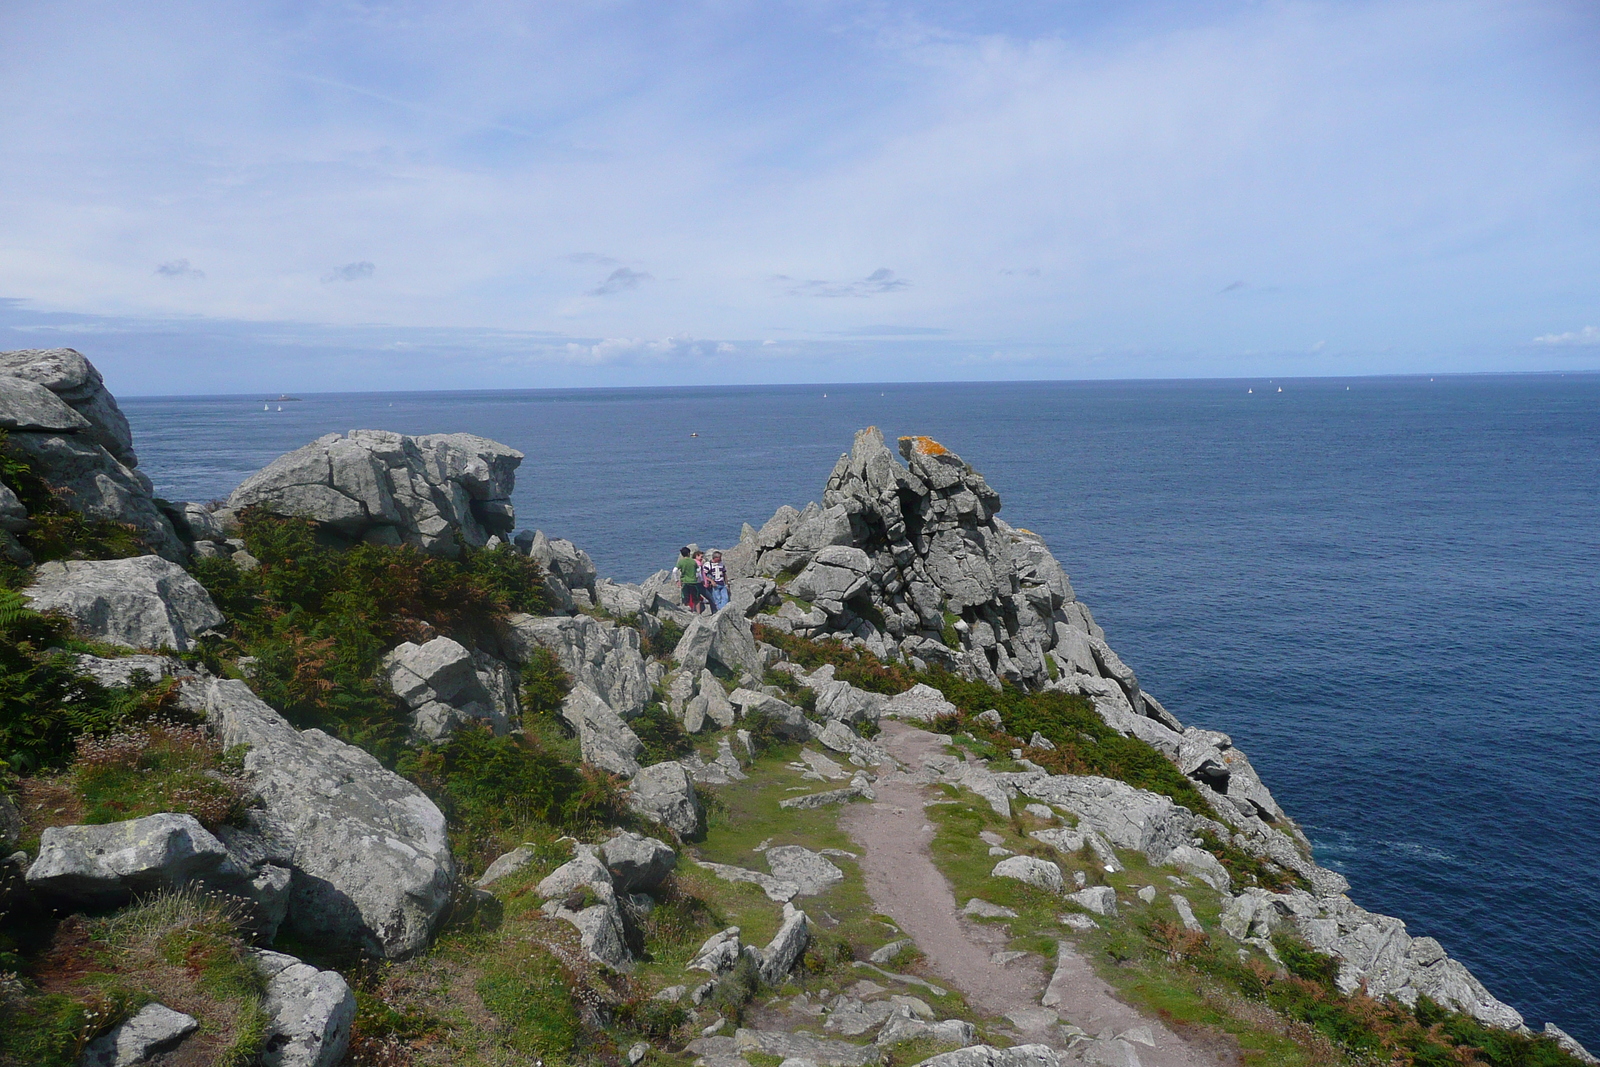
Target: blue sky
x=232, y=197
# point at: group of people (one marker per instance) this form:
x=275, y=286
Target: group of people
x=703, y=582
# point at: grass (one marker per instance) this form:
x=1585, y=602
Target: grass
x=183, y=950
x=159, y=766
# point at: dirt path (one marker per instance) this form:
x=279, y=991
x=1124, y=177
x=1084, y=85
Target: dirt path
x=894, y=834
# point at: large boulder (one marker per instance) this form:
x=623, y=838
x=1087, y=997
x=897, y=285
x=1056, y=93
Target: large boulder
x=370, y=854
x=63, y=420
x=144, y=602
x=605, y=739
x=438, y=681
x=601, y=655
x=724, y=639
x=664, y=793
x=436, y=492
x=106, y=865
x=637, y=864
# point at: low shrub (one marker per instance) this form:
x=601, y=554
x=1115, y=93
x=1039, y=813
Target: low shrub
x=319, y=617
x=46, y=704
x=159, y=766
x=492, y=787
x=661, y=734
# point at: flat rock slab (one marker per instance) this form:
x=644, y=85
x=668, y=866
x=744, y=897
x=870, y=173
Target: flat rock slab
x=813, y=873
x=819, y=1050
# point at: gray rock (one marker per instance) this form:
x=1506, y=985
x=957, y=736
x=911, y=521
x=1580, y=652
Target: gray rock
x=637, y=863
x=195, y=522
x=1100, y=899
x=1569, y=1044
x=600, y=931
x=563, y=561
x=76, y=382
x=950, y=1032
x=988, y=1056
x=13, y=516
x=605, y=739
x=749, y=595
x=784, y=949
x=888, y=952
x=440, y=683
x=809, y=871
x=852, y=1017
x=788, y=719
x=777, y=890
x=694, y=647
x=733, y=645
x=505, y=866
x=816, y=1050
x=618, y=598
x=311, y=1012
x=985, y=910
x=1186, y=913
x=664, y=793
x=27, y=407
x=1127, y=817
x=836, y=575
x=425, y=491
x=584, y=869
x=823, y=799
x=1147, y=894
x=144, y=602
x=717, y=707
x=920, y=703
x=371, y=857
x=100, y=866
x=152, y=1030
x=121, y=670
x=601, y=655
x=1203, y=865
x=720, y=952
x=1035, y=872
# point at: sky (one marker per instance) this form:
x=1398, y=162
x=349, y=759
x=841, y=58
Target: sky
x=215, y=198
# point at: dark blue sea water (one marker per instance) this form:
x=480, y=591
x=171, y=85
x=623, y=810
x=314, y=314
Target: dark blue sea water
x=1385, y=589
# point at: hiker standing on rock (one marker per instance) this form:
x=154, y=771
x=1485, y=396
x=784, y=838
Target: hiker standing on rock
x=716, y=582
x=689, y=579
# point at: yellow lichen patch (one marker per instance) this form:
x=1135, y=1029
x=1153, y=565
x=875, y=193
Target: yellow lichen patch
x=927, y=446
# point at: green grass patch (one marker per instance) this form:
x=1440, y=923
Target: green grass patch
x=159, y=766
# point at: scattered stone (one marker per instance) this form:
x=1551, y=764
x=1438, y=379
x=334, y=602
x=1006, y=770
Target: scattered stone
x=1186, y=913
x=1147, y=894
x=832, y=796
x=1203, y=865
x=985, y=910
x=1100, y=899
x=439, y=682
x=1006, y=959
x=672, y=994
x=820, y=1051
x=1077, y=921
x=1039, y=811
x=505, y=866
x=154, y=1029
x=144, y=602
x=809, y=871
x=637, y=1052
x=786, y=946
x=777, y=890
x=989, y=1056
x=637, y=864
x=606, y=741
x=853, y=1017
x=1031, y=870
x=664, y=793
x=311, y=1013
x=719, y=953
x=989, y=837
x=888, y=952
x=952, y=1031
x=920, y=703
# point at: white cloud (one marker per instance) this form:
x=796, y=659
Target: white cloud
x=1589, y=335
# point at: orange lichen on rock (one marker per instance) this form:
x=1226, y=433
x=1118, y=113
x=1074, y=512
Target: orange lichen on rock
x=927, y=446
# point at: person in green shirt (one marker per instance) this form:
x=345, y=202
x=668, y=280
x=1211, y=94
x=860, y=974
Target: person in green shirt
x=689, y=580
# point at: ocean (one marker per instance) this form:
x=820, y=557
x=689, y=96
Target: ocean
x=1384, y=589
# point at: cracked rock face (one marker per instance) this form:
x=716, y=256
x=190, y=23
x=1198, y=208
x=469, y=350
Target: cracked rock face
x=60, y=416
x=390, y=488
x=440, y=681
x=144, y=602
x=371, y=863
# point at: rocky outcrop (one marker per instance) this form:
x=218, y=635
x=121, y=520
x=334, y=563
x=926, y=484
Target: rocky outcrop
x=597, y=917
x=637, y=864
x=436, y=492
x=441, y=684
x=60, y=416
x=370, y=857
x=144, y=602
x=604, y=739
x=569, y=572
x=601, y=655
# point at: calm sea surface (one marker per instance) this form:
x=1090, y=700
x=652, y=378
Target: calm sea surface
x=1385, y=589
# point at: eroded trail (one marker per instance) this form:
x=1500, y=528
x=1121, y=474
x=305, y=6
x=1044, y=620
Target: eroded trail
x=900, y=875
